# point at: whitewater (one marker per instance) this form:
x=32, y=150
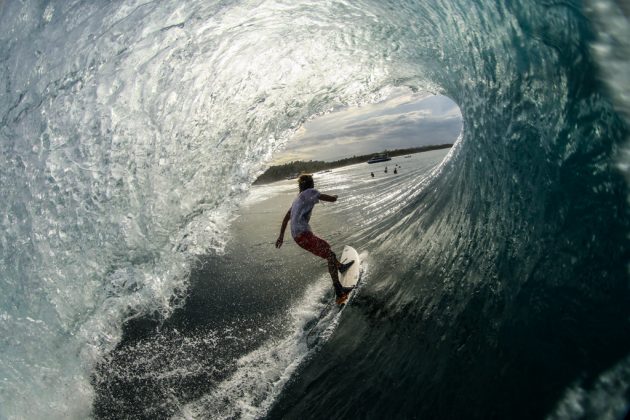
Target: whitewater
x=131, y=133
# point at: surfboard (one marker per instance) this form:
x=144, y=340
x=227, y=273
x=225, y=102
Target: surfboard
x=353, y=275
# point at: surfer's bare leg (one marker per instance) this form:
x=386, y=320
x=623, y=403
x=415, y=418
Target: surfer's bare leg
x=333, y=268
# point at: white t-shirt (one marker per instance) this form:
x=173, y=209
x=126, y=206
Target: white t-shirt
x=301, y=211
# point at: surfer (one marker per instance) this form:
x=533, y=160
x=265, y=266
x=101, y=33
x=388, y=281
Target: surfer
x=300, y=215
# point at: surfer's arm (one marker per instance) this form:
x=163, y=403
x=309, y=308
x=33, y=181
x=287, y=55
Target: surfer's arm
x=326, y=197
x=285, y=221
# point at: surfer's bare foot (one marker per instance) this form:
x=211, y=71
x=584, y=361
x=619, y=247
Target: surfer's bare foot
x=343, y=292
x=344, y=267
x=343, y=297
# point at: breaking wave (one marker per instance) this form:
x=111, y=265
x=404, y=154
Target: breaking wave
x=131, y=130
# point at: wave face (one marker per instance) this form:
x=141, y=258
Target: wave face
x=130, y=131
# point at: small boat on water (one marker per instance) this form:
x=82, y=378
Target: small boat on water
x=379, y=158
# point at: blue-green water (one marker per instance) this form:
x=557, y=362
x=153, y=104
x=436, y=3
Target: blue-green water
x=131, y=132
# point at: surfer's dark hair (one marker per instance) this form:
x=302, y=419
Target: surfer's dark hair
x=305, y=181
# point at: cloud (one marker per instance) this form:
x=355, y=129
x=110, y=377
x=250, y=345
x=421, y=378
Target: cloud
x=405, y=120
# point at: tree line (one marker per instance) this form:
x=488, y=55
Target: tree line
x=293, y=169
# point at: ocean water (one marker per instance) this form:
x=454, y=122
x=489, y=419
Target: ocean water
x=496, y=283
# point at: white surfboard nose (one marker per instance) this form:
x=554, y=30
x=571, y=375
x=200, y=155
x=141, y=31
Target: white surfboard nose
x=351, y=277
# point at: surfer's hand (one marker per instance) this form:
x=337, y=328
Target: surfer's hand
x=329, y=198
x=279, y=242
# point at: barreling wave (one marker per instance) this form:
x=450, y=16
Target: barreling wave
x=130, y=130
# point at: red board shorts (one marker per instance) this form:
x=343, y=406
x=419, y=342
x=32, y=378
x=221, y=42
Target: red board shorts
x=313, y=244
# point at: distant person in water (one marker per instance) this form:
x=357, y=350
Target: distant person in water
x=395, y=171
x=386, y=169
x=300, y=215
x=372, y=173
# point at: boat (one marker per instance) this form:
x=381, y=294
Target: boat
x=379, y=158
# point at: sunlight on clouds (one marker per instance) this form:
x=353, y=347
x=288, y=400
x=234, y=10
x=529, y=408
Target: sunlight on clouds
x=404, y=120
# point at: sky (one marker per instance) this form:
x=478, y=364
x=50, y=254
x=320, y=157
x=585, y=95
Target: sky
x=403, y=120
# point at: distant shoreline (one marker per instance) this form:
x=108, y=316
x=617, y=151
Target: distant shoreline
x=280, y=172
